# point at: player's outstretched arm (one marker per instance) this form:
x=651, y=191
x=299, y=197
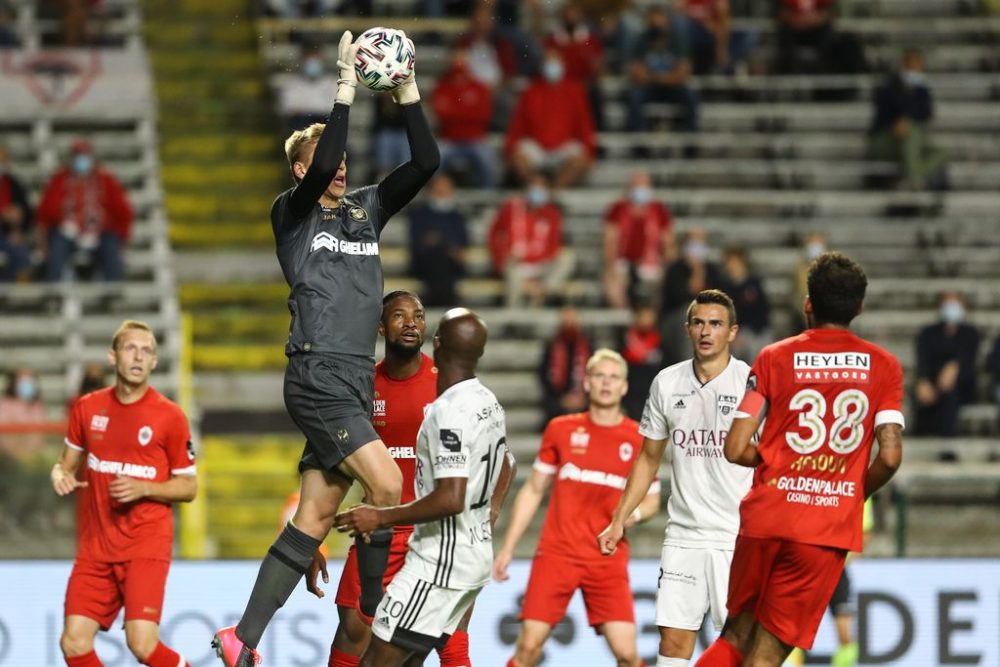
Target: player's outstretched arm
x=63, y=473
x=332, y=143
x=447, y=499
x=739, y=448
x=888, y=459
x=177, y=489
x=636, y=491
x=526, y=503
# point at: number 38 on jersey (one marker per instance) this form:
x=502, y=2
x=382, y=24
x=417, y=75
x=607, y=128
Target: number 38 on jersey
x=846, y=431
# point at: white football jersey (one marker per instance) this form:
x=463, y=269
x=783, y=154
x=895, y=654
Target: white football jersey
x=463, y=435
x=705, y=489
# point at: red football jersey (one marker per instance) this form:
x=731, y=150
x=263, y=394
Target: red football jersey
x=399, y=411
x=148, y=440
x=591, y=464
x=824, y=392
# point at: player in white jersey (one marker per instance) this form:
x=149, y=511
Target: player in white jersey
x=691, y=406
x=463, y=472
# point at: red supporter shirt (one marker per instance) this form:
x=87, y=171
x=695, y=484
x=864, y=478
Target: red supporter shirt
x=148, y=440
x=528, y=235
x=463, y=106
x=824, y=392
x=591, y=464
x=399, y=411
x=640, y=230
x=552, y=114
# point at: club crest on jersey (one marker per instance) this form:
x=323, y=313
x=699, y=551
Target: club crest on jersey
x=726, y=404
x=99, y=423
x=625, y=451
x=358, y=213
x=579, y=439
x=145, y=435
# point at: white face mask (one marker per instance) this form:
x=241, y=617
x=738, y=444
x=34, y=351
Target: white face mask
x=952, y=312
x=312, y=68
x=913, y=78
x=442, y=205
x=537, y=195
x=814, y=250
x=641, y=194
x=696, y=250
x=552, y=70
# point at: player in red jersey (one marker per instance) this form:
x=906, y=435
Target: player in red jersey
x=139, y=460
x=826, y=394
x=589, y=455
x=405, y=383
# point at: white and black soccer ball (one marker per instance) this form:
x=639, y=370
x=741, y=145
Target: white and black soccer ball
x=385, y=58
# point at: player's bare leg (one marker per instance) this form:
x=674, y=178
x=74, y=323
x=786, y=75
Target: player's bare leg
x=620, y=636
x=383, y=484
x=530, y=642
x=766, y=650
x=78, y=636
x=381, y=653
x=352, y=634
x=677, y=643
x=730, y=647
x=143, y=640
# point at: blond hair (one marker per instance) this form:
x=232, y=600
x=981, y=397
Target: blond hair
x=131, y=325
x=607, y=354
x=299, y=141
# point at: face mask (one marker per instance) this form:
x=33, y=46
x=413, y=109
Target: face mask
x=83, y=164
x=27, y=389
x=913, y=78
x=537, y=195
x=442, y=205
x=552, y=71
x=696, y=249
x=312, y=68
x=814, y=250
x=641, y=194
x=952, y=312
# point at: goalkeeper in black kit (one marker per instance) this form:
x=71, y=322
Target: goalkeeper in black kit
x=328, y=246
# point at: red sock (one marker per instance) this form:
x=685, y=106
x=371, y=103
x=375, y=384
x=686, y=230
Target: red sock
x=85, y=660
x=340, y=659
x=510, y=663
x=456, y=652
x=720, y=654
x=163, y=656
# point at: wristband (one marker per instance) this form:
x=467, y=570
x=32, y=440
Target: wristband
x=636, y=515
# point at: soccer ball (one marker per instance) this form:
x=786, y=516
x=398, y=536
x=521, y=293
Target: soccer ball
x=385, y=58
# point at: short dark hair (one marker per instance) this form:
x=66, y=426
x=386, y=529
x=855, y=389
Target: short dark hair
x=713, y=296
x=836, y=286
x=396, y=294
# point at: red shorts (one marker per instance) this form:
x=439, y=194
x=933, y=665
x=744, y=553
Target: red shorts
x=349, y=589
x=607, y=594
x=99, y=590
x=785, y=585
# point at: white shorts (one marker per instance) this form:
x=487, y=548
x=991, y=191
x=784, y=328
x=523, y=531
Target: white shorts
x=692, y=582
x=417, y=615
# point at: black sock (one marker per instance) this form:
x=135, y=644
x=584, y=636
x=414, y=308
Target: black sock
x=373, y=558
x=285, y=563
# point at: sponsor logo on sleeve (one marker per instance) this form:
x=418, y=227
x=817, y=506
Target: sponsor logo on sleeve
x=451, y=439
x=752, y=382
x=190, y=450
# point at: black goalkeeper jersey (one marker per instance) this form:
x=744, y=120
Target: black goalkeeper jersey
x=330, y=256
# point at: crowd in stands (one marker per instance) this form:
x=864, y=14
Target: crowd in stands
x=79, y=228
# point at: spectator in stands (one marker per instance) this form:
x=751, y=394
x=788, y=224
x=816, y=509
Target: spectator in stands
x=714, y=46
x=813, y=245
x=642, y=345
x=390, y=147
x=73, y=19
x=689, y=274
x=22, y=404
x=580, y=49
x=753, y=310
x=8, y=33
x=438, y=239
x=904, y=108
x=551, y=129
x=947, y=354
x=564, y=367
x=95, y=376
x=993, y=367
x=809, y=44
x=304, y=97
x=15, y=225
x=492, y=56
x=526, y=245
x=464, y=106
x=638, y=243
x=619, y=29
x=659, y=70
x=294, y=9
x=84, y=210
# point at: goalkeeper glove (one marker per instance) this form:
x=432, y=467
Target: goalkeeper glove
x=347, y=83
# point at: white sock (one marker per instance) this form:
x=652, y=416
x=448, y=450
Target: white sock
x=663, y=661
